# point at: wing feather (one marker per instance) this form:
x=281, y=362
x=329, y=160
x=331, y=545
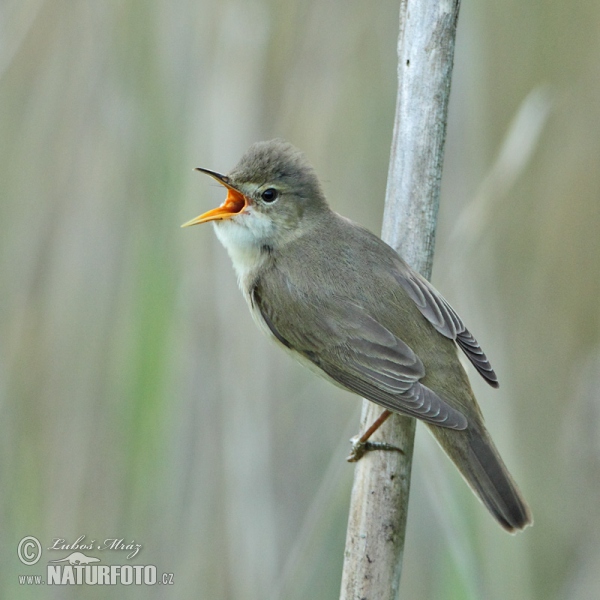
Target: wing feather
x=363, y=356
x=444, y=318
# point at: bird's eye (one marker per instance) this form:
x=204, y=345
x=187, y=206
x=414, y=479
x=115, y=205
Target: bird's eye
x=270, y=195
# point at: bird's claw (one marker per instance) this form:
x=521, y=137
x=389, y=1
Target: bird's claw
x=360, y=448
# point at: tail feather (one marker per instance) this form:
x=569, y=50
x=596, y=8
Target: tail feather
x=476, y=457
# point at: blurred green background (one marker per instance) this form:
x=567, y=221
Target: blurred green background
x=138, y=400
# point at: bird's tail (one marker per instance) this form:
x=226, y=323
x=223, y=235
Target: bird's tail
x=473, y=452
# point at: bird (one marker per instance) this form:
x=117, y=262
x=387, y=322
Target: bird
x=346, y=305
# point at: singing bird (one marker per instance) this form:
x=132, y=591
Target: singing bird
x=346, y=305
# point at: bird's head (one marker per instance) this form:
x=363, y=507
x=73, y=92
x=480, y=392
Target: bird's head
x=273, y=194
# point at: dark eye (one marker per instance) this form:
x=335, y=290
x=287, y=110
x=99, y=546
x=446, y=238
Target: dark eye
x=270, y=195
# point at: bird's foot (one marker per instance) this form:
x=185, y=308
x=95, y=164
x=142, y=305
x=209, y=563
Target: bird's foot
x=360, y=448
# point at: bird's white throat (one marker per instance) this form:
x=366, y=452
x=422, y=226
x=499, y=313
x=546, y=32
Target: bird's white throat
x=245, y=237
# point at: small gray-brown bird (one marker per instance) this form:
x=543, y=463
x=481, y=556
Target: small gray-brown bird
x=347, y=306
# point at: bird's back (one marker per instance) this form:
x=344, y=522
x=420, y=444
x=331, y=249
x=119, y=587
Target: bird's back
x=317, y=272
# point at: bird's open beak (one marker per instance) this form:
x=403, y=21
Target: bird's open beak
x=234, y=204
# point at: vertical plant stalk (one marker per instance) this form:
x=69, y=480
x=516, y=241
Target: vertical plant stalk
x=379, y=502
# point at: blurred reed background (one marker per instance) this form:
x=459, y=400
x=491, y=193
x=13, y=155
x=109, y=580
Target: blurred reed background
x=138, y=400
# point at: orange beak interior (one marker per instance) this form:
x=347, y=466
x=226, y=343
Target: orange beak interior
x=234, y=204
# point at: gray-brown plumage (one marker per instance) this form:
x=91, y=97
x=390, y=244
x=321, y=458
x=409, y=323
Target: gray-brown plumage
x=347, y=305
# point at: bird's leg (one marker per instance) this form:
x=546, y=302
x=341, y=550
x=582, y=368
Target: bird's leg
x=360, y=445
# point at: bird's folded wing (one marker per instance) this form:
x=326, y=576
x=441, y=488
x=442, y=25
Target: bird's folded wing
x=364, y=357
x=443, y=317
